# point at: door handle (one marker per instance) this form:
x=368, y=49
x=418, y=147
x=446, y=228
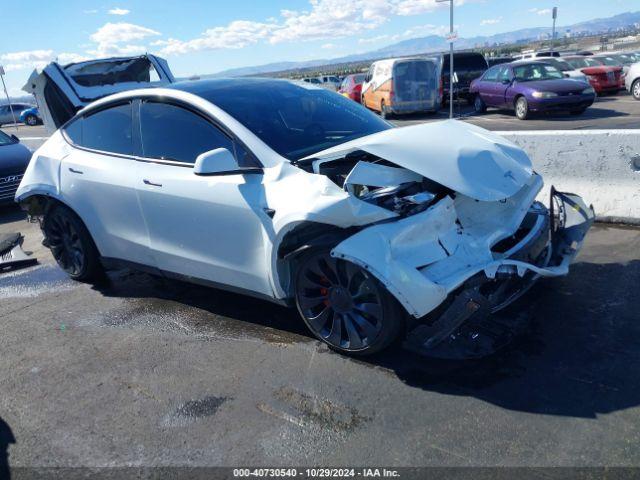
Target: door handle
x=149, y=182
x=73, y=170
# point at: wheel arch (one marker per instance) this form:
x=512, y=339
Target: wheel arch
x=37, y=204
x=299, y=238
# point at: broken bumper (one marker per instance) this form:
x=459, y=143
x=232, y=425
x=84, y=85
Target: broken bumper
x=548, y=253
x=445, y=275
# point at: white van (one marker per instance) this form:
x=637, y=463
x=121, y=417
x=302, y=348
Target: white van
x=402, y=85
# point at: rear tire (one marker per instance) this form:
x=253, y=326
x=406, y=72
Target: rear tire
x=71, y=244
x=345, y=306
x=522, y=108
x=384, y=112
x=635, y=89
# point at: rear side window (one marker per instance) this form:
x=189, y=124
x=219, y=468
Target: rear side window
x=108, y=130
x=173, y=133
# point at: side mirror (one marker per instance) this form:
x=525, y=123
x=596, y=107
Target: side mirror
x=220, y=162
x=506, y=81
x=566, y=75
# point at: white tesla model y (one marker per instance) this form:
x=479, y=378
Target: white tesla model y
x=295, y=194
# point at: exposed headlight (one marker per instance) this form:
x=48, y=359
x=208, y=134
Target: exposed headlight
x=544, y=94
x=588, y=91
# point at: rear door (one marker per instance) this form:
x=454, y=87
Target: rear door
x=205, y=227
x=99, y=179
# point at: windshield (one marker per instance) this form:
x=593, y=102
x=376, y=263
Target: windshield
x=559, y=64
x=535, y=72
x=358, y=78
x=610, y=61
x=294, y=119
x=5, y=139
x=583, y=62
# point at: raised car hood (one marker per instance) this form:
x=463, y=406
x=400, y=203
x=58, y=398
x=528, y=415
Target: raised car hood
x=460, y=156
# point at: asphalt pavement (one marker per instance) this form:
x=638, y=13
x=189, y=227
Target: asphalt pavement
x=141, y=371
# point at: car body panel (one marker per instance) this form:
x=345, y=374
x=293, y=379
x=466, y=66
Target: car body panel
x=14, y=159
x=394, y=83
x=570, y=93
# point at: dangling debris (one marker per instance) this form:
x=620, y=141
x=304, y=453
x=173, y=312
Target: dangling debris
x=12, y=256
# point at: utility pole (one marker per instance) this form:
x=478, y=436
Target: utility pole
x=451, y=39
x=553, y=34
x=15, y=124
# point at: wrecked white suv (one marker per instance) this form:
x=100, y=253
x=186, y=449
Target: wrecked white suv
x=294, y=194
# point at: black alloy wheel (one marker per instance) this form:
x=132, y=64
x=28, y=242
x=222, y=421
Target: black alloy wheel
x=344, y=305
x=70, y=244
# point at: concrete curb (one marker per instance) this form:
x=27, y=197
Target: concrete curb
x=603, y=166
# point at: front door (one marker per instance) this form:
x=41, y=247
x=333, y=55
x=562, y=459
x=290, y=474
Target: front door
x=205, y=227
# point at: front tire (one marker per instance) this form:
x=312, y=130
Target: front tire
x=344, y=306
x=522, y=108
x=71, y=244
x=478, y=105
x=635, y=89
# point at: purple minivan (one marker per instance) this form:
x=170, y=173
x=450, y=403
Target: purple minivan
x=528, y=87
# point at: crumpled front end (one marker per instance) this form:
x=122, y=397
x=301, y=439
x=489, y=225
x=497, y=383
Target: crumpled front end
x=463, y=259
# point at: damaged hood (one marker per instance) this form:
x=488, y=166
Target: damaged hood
x=465, y=158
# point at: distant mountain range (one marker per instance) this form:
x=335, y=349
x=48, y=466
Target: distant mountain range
x=435, y=43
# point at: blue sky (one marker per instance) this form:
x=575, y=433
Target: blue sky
x=199, y=36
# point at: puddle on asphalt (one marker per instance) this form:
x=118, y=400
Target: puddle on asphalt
x=34, y=281
x=204, y=313
x=193, y=410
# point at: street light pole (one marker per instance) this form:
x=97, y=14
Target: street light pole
x=8, y=99
x=451, y=38
x=451, y=63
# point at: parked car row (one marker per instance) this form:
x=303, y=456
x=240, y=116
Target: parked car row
x=421, y=84
x=20, y=112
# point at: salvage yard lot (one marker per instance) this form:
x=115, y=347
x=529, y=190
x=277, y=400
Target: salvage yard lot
x=143, y=371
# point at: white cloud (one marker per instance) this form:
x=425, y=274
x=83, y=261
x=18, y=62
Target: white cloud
x=27, y=56
x=491, y=21
x=30, y=59
x=328, y=46
x=540, y=11
x=238, y=34
x=379, y=38
x=119, y=11
x=115, y=38
x=331, y=19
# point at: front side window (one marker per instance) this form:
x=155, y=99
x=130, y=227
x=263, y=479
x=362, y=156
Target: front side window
x=107, y=130
x=504, y=73
x=491, y=75
x=173, y=133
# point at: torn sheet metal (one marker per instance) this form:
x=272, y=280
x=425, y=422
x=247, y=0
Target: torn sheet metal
x=374, y=175
x=423, y=258
x=460, y=156
x=11, y=254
